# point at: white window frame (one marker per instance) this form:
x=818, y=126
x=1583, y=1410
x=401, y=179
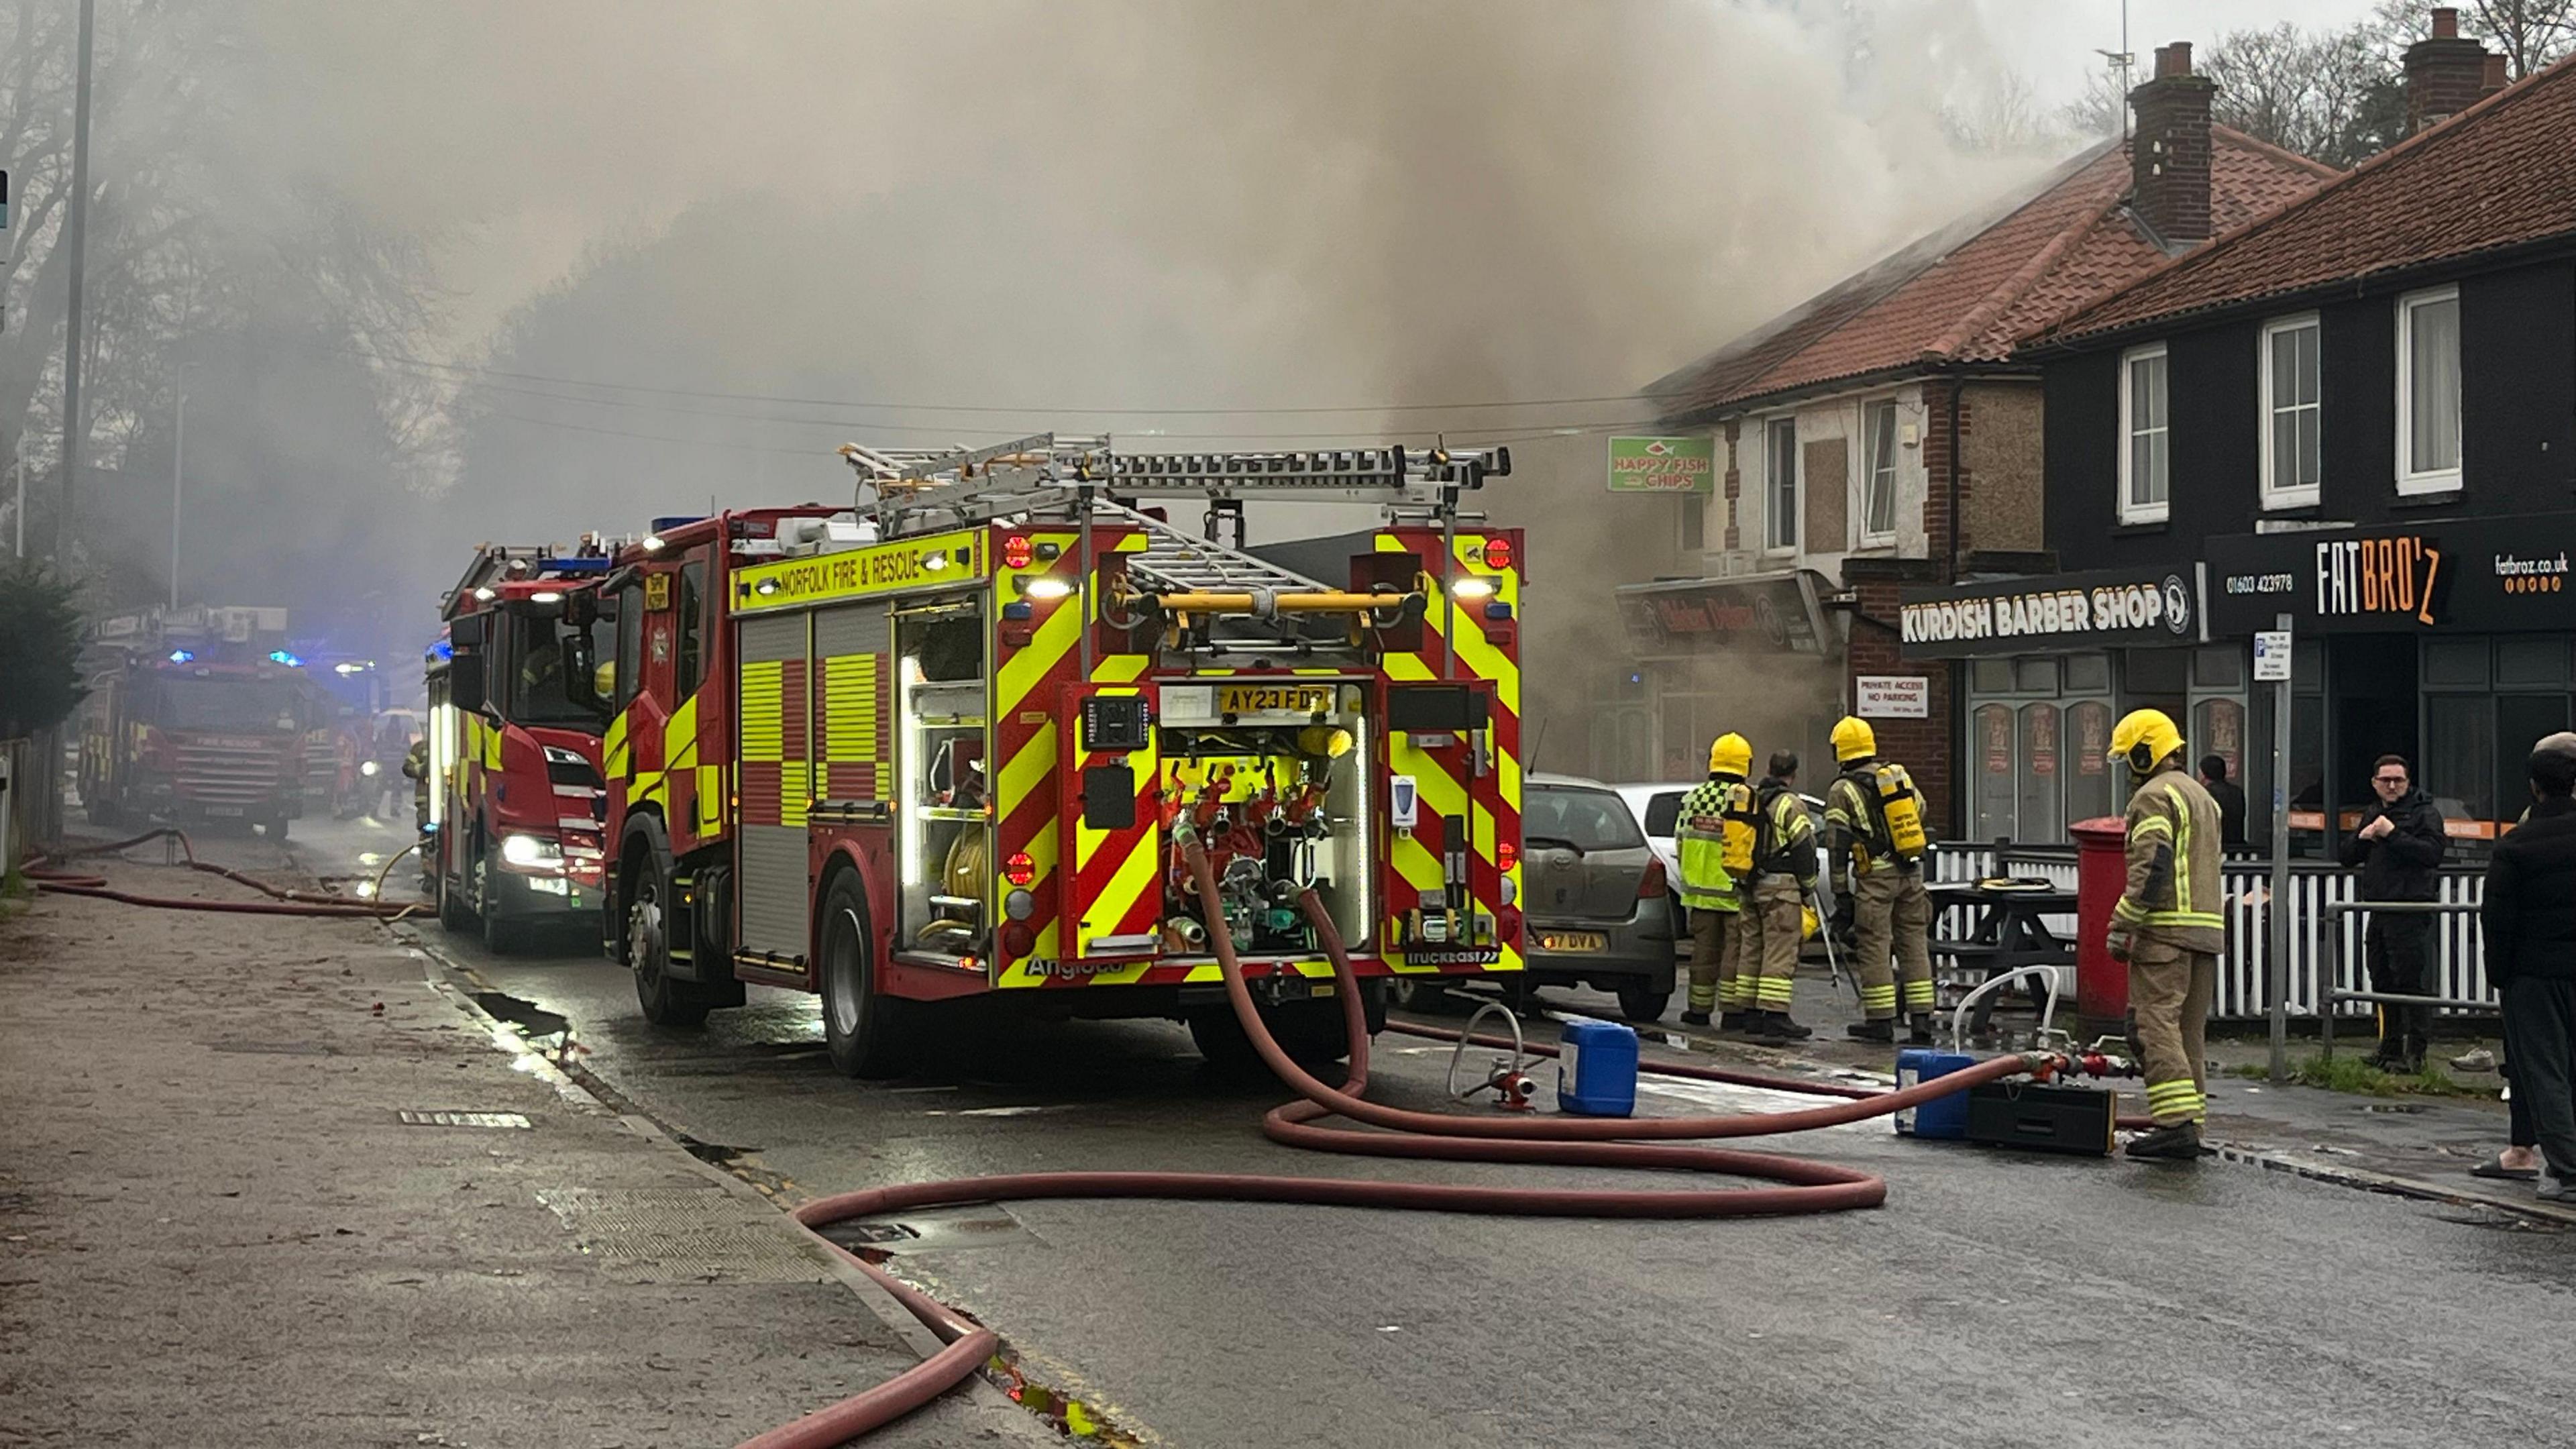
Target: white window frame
x=1869, y=412
x=2275, y=493
x=2439, y=480
x=1773, y=524
x=2159, y=511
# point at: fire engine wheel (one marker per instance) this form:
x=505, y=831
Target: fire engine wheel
x=667, y=1001
x=453, y=913
x=1311, y=1032
x=500, y=937
x=862, y=1027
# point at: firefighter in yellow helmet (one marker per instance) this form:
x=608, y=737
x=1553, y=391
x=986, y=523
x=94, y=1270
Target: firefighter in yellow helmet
x=1774, y=921
x=1874, y=816
x=1715, y=835
x=2168, y=928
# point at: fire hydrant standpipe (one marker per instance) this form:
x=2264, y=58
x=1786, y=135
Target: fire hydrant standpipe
x=1804, y=1186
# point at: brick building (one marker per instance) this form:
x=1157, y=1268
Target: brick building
x=1882, y=435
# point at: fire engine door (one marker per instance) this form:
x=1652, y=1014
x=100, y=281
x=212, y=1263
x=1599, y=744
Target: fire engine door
x=1112, y=864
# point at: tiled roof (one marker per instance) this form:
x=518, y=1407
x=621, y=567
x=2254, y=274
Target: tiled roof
x=1963, y=294
x=2499, y=174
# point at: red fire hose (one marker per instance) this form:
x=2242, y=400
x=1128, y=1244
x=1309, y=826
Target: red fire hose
x=1583, y=1142
x=48, y=875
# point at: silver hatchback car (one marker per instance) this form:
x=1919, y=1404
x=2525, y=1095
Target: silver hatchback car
x=1596, y=896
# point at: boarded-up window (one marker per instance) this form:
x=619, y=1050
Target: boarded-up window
x=1828, y=495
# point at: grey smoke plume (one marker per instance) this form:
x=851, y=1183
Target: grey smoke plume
x=1048, y=207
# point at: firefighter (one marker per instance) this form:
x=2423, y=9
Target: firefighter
x=1783, y=876
x=1716, y=847
x=1875, y=816
x=2168, y=929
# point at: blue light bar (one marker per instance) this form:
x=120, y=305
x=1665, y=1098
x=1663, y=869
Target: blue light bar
x=280, y=656
x=665, y=525
x=574, y=565
x=443, y=649
x=181, y=656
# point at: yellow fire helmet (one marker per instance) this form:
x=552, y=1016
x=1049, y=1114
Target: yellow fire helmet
x=2143, y=738
x=1854, y=740
x=1730, y=754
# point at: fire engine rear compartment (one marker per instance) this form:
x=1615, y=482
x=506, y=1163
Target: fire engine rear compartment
x=1270, y=769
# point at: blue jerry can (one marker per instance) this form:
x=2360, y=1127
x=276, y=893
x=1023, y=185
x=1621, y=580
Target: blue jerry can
x=1596, y=1068
x=1942, y=1116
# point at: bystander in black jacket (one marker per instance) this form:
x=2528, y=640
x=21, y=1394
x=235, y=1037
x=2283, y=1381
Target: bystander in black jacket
x=2399, y=867
x=2529, y=914
x=2231, y=809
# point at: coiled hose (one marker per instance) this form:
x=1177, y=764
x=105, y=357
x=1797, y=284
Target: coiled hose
x=1803, y=1186
x=47, y=872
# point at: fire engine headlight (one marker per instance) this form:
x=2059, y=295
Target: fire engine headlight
x=367, y=768
x=1471, y=586
x=1045, y=586
x=530, y=852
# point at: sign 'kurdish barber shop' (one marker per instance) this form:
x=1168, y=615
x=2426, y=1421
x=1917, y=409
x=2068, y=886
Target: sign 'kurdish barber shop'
x=2061, y=611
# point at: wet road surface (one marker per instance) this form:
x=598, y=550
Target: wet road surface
x=2002, y=1299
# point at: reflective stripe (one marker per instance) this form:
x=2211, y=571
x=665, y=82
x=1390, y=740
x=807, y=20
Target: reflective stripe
x=2152, y=825
x=2127, y=911
x=1918, y=995
x=2182, y=853
x=1773, y=991
x=2186, y=918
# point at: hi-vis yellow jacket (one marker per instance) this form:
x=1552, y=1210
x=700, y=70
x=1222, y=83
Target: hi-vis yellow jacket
x=2172, y=896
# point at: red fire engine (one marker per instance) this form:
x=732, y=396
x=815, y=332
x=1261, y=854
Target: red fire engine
x=196, y=717
x=512, y=840
x=936, y=745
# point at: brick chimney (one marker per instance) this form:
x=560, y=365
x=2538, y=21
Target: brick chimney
x=2446, y=73
x=2169, y=156
x=2496, y=79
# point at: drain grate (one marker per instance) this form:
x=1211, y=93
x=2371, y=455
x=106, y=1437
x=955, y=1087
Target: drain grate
x=933, y=1230
x=463, y=1119
x=683, y=1235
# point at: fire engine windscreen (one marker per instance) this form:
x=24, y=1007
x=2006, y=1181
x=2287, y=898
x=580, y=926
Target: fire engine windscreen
x=239, y=705
x=1271, y=773
x=550, y=666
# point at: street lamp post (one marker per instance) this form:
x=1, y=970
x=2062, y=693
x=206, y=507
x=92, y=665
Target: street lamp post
x=178, y=482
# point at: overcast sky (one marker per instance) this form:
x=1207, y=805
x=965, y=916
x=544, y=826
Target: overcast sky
x=2052, y=41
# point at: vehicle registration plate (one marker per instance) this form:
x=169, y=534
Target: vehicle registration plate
x=1305, y=699
x=223, y=810
x=1573, y=941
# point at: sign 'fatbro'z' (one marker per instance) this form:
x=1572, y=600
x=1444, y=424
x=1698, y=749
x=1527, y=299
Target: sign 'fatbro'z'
x=2481, y=574
x=2063, y=611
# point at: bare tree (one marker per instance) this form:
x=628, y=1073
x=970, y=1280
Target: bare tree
x=2326, y=94
x=2532, y=34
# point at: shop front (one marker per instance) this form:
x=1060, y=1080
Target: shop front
x=2448, y=642
x=2049, y=663
x=1755, y=654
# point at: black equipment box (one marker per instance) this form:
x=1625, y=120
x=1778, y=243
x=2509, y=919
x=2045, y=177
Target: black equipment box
x=2040, y=1118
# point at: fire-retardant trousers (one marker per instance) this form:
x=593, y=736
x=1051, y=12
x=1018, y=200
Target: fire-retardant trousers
x=1712, y=973
x=2170, y=990
x=1766, y=953
x=1892, y=916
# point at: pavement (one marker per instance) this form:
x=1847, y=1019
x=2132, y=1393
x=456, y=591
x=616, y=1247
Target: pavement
x=2000, y=1298
x=264, y=1182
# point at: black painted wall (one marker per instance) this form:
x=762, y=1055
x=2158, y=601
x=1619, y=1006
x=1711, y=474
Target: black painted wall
x=2518, y=428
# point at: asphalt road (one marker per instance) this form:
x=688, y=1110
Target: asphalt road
x=1998, y=1299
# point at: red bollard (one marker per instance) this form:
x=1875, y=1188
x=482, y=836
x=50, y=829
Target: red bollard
x=2101, y=873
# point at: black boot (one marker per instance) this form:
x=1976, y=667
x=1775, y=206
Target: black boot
x=1879, y=1031
x=1787, y=1030
x=2412, y=1063
x=1694, y=1018
x=2177, y=1143
x=1920, y=1033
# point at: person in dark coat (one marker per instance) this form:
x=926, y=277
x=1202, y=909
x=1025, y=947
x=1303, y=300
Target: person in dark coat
x=2230, y=798
x=2529, y=918
x=2397, y=846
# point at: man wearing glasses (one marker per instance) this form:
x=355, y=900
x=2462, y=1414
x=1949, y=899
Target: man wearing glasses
x=2398, y=845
